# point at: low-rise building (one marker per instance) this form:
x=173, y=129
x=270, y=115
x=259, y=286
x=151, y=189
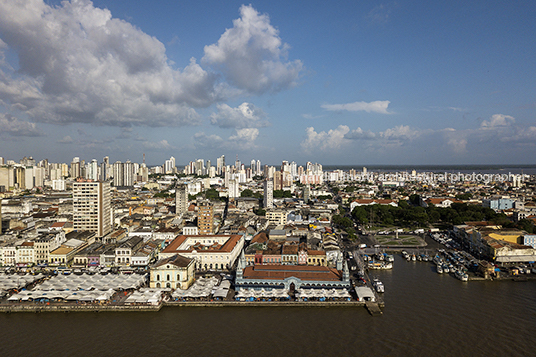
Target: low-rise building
x=9, y=253
x=62, y=255
x=210, y=252
x=291, y=277
x=368, y=202
x=125, y=250
x=46, y=243
x=277, y=217
x=25, y=254
x=175, y=272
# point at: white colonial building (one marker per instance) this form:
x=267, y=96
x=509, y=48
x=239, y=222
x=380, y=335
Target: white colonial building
x=210, y=252
x=175, y=272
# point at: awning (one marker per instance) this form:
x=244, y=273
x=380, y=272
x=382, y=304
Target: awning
x=516, y=259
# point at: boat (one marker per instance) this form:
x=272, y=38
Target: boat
x=380, y=265
x=378, y=285
x=390, y=257
x=437, y=260
x=461, y=275
x=446, y=268
x=439, y=269
x=413, y=258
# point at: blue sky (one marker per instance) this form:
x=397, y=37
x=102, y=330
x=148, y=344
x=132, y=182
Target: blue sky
x=367, y=82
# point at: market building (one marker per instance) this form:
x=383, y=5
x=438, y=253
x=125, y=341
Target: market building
x=291, y=277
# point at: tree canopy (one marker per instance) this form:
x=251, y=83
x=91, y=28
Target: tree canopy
x=407, y=215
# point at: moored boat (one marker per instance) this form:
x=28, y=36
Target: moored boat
x=461, y=275
x=378, y=285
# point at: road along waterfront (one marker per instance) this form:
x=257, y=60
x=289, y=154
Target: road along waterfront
x=425, y=314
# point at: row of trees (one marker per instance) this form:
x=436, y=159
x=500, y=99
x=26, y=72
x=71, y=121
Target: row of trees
x=416, y=216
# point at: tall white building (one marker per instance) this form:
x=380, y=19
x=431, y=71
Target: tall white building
x=169, y=166
x=268, y=194
x=92, y=207
x=293, y=169
x=144, y=173
x=93, y=170
x=181, y=199
x=220, y=164
x=253, y=167
x=128, y=173
x=118, y=174
x=29, y=177
x=58, y=185
x=234, y=191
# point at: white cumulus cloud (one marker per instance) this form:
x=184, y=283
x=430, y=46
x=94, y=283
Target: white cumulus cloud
x=11, y=125
x=65, y=140
x=245, y=138
x=158, y=145
x=497, y=121
x=332, y=139
x=246, y=115
x=378, y=106
x=252, y=56
x=400, y=132
x=79, y=64
x=358, y=134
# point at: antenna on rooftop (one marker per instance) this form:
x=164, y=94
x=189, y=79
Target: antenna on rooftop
x=144, y=158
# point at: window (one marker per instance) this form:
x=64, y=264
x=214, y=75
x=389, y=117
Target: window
x=168, y=279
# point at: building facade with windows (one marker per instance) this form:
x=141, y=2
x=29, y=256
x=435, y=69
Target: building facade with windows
x=175, y=272
x=205, y=218
x=210, y=252
x=92, y=207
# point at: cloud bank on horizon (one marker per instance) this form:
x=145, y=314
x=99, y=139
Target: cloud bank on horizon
x=74, y=65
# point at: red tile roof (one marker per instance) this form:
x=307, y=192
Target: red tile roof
x=281, y=272
x=228, y=246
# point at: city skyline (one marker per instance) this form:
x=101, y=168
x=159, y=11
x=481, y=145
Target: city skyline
x=349, y=84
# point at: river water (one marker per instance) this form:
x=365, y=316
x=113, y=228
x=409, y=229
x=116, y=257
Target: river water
x=426, y=314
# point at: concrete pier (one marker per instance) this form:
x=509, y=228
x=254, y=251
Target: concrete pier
x=373, y=308
x=12, y=308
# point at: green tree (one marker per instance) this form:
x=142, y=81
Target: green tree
x=212, y=194
x=282, y=194
x=260, y=212
x=246, y=193
x=464, y=196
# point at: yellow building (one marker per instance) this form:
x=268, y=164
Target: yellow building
x=175, y=272
x=316, y=257
x=62, y=256
x=508, y=236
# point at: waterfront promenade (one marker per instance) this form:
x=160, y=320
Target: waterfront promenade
x=59, y=307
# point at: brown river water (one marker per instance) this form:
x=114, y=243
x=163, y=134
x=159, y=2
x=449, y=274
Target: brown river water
x=426, y=314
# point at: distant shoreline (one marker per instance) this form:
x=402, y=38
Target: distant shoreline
x=421, y=167
x=405, y=167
